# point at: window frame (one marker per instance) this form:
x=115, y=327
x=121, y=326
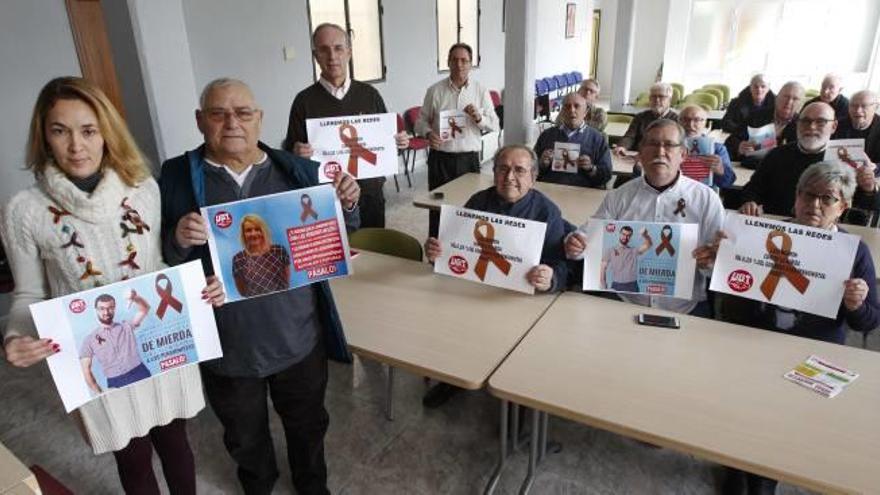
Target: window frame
x=348, y=30
x=478, y=57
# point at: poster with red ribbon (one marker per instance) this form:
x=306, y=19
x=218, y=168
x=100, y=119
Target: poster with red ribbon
x=452, y=124
x=487, y=248
x=362, y=146
x=652, y=258
x=783, y=263
x=119, y=334
x=277, y=242
x=565, y=157
x=850, y=152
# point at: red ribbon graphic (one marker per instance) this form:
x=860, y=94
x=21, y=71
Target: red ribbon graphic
x=679, y=207
x=453, y=127
x=356, y=149
x=165, y=295
x=843, y=155
x=487, y=250
x=566, y=159
x=58, y=213
x=665, y=241
x=782, y=266
x=307, y=211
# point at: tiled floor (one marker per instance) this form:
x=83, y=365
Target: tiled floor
x=448, y=450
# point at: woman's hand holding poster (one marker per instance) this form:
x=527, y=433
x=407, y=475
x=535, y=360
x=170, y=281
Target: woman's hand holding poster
x=785, y=264
x=362, y=145
x=119, y=334
x=493, y=249
x=277, y=242
x=640, y=257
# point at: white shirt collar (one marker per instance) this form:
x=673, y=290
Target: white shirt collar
x=338, y=93
x=456, y=88
x=238, y=177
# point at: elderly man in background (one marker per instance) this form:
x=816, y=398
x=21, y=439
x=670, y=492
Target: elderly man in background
x=275, y=345
x=594, y=159
x=752, y=107
x=787, y=104
x=693, y=119
x=829, y=93
x=660, y=96
x=772, y=188
x=862, y=123
x=595, y=115
x=515, y=168
x=663, y=194
x=335, y=94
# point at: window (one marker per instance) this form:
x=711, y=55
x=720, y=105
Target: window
x=729, y=40
x=363, y=21
x=458, y=21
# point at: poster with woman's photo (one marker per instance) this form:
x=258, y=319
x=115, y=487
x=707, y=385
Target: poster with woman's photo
x=119, y=334
x=277, y=242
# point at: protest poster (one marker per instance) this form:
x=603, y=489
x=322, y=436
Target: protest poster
x=640, y=257
x=849, y=152
x=785, y=264
x=277, y=242
x=362, y=145
x=452, y=124
x=492, y=249
x=118, y=334
x=763, y=139
x=565, y=156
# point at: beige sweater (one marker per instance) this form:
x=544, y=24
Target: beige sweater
x=44, y=269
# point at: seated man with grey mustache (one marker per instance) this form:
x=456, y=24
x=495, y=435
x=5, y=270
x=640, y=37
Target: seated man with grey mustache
x=662, y=194
x=772, y=188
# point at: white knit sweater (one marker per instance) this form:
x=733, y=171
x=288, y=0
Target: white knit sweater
x=44, y=269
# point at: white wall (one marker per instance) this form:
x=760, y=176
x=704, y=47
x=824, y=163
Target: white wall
x=556, y=53
x=607, y=24
x=36, y=45
x=650, y=40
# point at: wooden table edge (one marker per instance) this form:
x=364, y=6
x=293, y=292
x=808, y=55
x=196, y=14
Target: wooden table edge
x=665, y=442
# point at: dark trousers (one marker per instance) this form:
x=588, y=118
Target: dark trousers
x=444, y=167
x=737, y=482
x=298, y=397
x=372, y=202
x=135, y=462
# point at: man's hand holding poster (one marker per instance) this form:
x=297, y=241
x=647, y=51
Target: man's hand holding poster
x=640, y=257
x=784, y=264
x=277, y=242
x=565, y=157
x=362, y=145
x=119, y=334
x=493, y=249
x=452, y=124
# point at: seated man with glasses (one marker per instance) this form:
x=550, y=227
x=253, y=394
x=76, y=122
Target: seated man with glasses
x=515, y=168
x=693, y=119
x=785, y=107
x=862, y=123
x=662, y=194
x=660, y=96
x=771, y=189
x=593, y=160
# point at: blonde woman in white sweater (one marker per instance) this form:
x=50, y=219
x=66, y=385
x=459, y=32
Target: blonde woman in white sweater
x=92, y=218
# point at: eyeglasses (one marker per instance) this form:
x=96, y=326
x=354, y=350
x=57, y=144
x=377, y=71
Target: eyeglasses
x=658, y=97
x=694, y=119
x=820, y=123
x=244, y=114
x=825, y=199
x=504, y=170
x=666, y=144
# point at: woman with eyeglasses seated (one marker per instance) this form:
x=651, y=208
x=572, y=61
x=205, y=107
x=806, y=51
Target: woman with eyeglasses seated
x=824, y=192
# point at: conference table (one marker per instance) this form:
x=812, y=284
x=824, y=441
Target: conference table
x=711, y=389
x=399, y=313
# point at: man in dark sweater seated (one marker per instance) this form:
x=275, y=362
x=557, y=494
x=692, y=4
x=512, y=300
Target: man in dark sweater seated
x=660, y=96
x=753, y=104
x=336, y=95
x=515, y=168
x=862, y=123
x=771, y=189
x=594, y=159
x=830, y=94
x=784, y=117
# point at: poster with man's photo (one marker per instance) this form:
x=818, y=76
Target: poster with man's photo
x=763, y=140
x=277, y=242
x=640, y=257
x=118, y=334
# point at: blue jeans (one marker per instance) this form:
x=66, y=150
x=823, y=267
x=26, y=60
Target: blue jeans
x=137, y=373
x=625, y=286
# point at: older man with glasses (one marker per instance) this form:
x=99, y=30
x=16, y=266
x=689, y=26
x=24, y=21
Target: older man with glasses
x=662, y=194
x=693, y=119
x=772, y=188
x=862, y=123
x=660, y=99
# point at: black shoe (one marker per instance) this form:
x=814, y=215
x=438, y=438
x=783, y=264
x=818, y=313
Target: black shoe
x=438, y=395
